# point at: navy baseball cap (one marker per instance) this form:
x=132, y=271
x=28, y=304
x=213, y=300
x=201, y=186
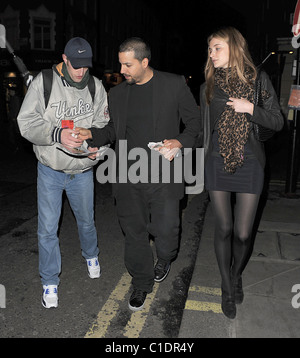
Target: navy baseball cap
x=79, y=52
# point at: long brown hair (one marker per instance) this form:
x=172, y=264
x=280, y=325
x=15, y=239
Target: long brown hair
x=239, y=58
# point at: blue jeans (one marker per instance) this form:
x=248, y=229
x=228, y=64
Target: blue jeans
x=80, y=192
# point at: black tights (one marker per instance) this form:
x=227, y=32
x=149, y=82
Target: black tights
x=232, y=255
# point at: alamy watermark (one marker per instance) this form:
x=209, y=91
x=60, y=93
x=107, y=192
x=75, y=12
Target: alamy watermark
x=296, y=298
x=154, y=168
x=2, y=297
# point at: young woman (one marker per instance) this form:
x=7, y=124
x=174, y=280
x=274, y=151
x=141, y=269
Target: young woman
x=234, y=159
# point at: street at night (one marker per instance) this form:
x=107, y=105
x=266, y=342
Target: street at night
x=87, y=307
x=187, y=305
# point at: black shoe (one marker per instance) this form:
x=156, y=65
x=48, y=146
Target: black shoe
x=238, y=291
x=137, y=300
x=228, y=306
x=161, y=271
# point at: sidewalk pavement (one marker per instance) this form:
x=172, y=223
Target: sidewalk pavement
x=271, y=280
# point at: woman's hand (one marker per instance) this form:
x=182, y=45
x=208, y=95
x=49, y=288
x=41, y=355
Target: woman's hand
x=241, y=105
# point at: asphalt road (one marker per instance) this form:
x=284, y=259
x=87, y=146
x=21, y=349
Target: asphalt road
x=87, y=308
x=91, y=308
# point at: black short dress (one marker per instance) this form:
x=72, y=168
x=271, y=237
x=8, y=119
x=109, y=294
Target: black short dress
x=247, y=179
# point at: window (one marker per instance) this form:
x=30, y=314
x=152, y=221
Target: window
x=41, y=34
x=42, y=29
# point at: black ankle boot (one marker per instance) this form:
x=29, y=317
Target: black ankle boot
x=228, y=305
x=238, y=291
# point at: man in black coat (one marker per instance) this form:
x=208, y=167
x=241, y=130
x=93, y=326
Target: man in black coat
x=148, y=107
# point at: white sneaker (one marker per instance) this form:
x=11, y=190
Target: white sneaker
x=50, y=298
x=93, y=267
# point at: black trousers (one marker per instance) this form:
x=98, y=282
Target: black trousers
x=145, y=209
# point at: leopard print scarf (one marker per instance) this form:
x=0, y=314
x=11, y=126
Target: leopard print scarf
x=233, y=128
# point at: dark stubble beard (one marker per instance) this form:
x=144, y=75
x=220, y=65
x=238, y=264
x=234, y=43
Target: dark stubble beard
x=131, y=81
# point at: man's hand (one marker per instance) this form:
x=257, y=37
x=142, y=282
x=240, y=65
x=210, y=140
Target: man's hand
x=83, y=133
x=69, y=138
x=170, y=148
x=172, y=143
x=93, y=156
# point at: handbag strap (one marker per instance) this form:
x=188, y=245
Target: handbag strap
x=257, y=90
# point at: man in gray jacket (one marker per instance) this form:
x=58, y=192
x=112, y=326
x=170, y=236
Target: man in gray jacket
x=51, y=131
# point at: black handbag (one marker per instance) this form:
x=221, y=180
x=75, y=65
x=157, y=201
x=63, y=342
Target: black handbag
x=261, y=133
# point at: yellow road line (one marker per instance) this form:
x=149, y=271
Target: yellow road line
x=203, y=306
x=207, y=290
x=110, y=308
x=138, y=319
